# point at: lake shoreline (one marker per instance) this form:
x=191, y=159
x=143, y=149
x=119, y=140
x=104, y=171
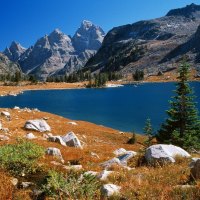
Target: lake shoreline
x=18, y=89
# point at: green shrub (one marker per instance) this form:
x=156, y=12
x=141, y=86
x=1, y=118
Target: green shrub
x=132, y=140
x=71, y=186
x=21, y=157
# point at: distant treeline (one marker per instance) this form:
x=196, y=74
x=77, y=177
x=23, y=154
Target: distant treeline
x=17, y=77
x=94, y=80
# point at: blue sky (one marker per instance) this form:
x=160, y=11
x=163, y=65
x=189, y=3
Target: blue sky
x=25, y=21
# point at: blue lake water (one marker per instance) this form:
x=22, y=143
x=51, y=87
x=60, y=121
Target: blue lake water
x=125, y=108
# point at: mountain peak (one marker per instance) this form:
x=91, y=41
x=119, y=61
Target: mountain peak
x=56, y=31
x=190, y=11
x=14, y=51
x=16, y=46
x=88, y=36
x=86, y=24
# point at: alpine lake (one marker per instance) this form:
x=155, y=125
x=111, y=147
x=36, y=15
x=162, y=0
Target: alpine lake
x=122, y=108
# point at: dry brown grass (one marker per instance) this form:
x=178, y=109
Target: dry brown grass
x=6, y=188
x=143, y=182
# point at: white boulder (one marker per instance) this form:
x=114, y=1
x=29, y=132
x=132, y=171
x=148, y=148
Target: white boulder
x=126, y=156
x=1, y=126
x=108, y=190
x=30, y=136
x=16, y=108
x=73, y=123
x=72, y=140
x=37, y=125
x=109, y=163
x=54, y=152
x=57, y=139
x=120, y=160
x=104, y=175
x=4, y=138
x=5, y=114
x=120, y=151
x=164, y=152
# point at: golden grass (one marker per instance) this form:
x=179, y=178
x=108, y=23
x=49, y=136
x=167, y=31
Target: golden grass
x=143, y=182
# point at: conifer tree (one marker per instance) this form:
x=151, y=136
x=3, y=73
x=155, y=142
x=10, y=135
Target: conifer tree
x=148, y=131
x=182, y=127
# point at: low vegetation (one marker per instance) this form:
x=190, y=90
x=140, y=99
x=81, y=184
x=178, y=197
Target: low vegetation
x=20, y=158
x=71, y=186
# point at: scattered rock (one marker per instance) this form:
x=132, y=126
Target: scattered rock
x=104, y=175
x=195, y=168
x=37, y=192
x=120, y=160
x=16, y=108
x=57, y=139
x=54, y=152
x=37, y=125
x=14, y=181
x=6, y=114
x=94, y=155
x=164, y=153
x=74, y=167
x=120, y=151
x=27, y=110
x=4, y=138
x=108, y=190
x=5, y=130
x=111, y=162
x=93, y=173
x=45, y=118
x=184, y=187
x=56, y=163
x=126, y=156
x=72, y=123
x=27, y=184
x=72, y=140
x=30, y=136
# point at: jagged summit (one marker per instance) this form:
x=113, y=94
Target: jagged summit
x=88, y=37
x=14, y=51
x=58, y=53
x=86, y=24
x=190, y=11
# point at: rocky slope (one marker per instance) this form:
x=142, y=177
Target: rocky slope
x=14, y=51
x=7, y=66
x=58, y=53
x=104, y=155
x=146, y=44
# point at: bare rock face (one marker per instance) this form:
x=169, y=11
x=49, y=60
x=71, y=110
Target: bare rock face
x=14, y=51
x=58, y=53
x=7, y=66
x=88, y=37
x=145, y=45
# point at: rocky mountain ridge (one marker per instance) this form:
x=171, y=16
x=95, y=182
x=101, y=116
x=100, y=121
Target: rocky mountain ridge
x=144, y=45
x=58, y=53
x=7, y=67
